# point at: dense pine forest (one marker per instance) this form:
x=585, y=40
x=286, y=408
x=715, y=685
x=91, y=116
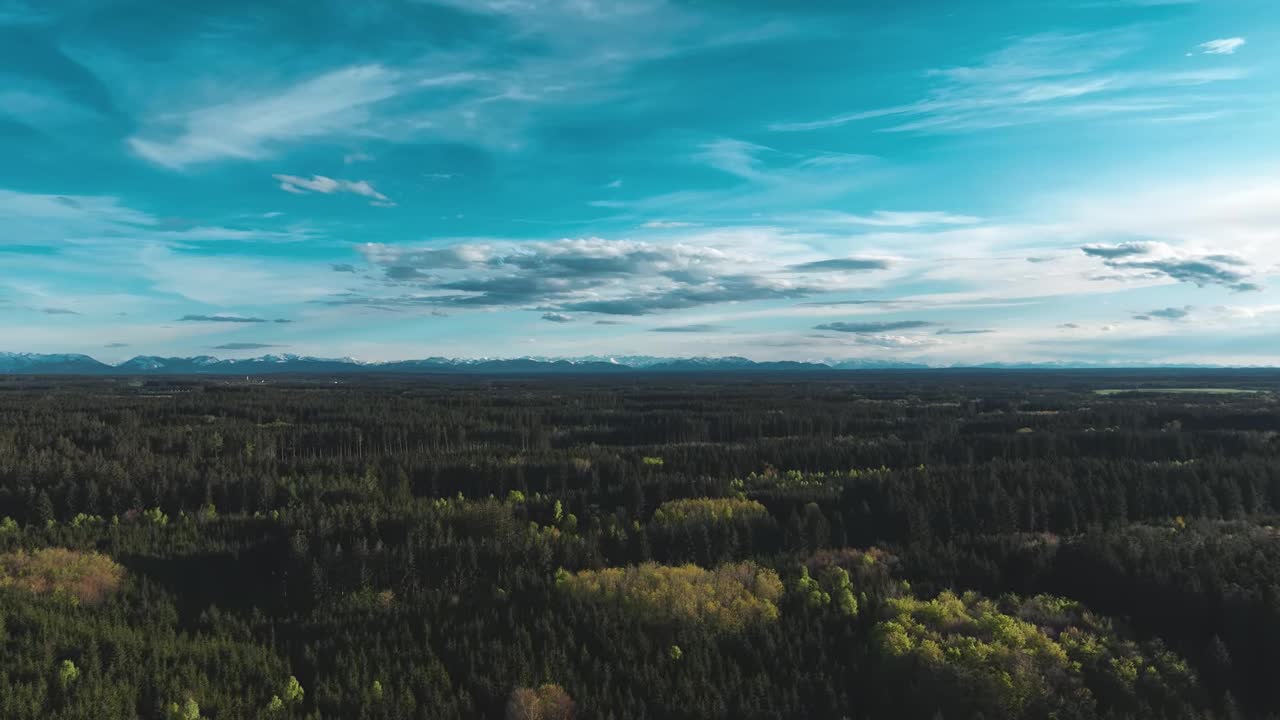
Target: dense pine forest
x=861, y=545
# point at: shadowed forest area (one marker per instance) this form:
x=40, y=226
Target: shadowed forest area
x=946, y=544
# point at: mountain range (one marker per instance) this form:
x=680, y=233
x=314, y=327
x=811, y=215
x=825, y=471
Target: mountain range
x=76, y=364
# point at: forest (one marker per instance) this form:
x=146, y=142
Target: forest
x=865, y=545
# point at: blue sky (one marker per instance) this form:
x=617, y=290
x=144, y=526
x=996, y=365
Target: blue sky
x=1013, y=180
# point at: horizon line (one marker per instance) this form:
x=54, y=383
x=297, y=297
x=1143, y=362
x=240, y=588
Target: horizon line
x=620, y=361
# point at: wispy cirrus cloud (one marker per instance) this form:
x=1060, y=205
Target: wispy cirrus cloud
x=52, y=224
x=764, y=181
x=1036, y=79
x=328, y=186
x=484, y=71
x=254, y=126
x=765, y=165
x=896, y=342
x=73, y=214
x=894, y=219
x=1222, y=46
x=244, y=346
x=667, y=224
x=736, y=157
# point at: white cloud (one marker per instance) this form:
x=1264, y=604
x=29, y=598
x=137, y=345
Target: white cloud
x=328, y=186
x=1239, y=214
x=565, y=51
x=1222, y=46
x=103, y=221
x=201, y=233
x=81, y=211
x=230, y=283
x=736, y=157
x=1248, y=312
x=356, y=157
x=952, y=269
x=1191, y=117
x=590, y=275
x=1038, y=79
x=448, y=80
x=121, y=338
x=1147, y=260
x=885, y=218
x=252, y=127
x=765, y=179
x=667, y=224
x=1213, y=234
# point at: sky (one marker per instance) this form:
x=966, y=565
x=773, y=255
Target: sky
x=924, y=180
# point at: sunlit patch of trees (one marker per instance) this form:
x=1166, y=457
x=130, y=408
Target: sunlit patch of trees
x=1033, y=658
x=727, y=599
x=547, y=702
x=873, y=572
x=700, y=511
x=81, y=577
x=832, y=588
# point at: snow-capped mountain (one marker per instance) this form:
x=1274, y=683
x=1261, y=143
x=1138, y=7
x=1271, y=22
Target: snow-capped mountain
x=74, y=364
x=32, y=363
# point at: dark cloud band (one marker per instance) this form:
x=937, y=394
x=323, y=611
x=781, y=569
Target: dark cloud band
x=874, y=327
